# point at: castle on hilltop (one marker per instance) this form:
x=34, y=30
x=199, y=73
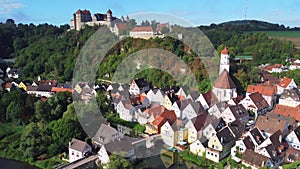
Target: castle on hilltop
x=84, y=17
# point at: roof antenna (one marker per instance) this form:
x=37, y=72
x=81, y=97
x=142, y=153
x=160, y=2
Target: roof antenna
x=246, y=8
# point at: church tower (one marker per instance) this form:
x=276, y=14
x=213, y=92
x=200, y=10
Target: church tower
x=109, y=15
x=224, y=61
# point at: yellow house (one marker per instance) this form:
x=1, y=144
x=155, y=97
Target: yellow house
x=167, y=103
x=195, y=127
x=219, y=145
x=173, y=134
x=21, y=85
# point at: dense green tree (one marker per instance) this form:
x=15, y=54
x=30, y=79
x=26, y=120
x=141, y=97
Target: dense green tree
x=64, y=130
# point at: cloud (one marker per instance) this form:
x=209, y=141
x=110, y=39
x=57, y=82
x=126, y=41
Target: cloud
x=7, y=6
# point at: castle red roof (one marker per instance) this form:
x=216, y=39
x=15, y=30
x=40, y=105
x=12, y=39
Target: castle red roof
x=109, y=11
x=142, y=29
x=225, y=51
x=121, y=26
x=224, y=81
x=83, y=12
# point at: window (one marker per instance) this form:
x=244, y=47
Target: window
x=213, y=146
x=215, y=155
x=208, y=152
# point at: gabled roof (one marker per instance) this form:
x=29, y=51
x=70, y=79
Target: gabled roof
x=210, y=98
x=155, y=110
x=224, y=81
x=121, y=146
x=238, y=111
x=44, y=88
x=121, y=26
x=275, y=66
x=194, y=95
x=254, y=159
x=60, y=89
x=141, y=82
x=142, y=29
x=199, y=121
x=262, y=89
x=248, y=143
x=48, y=82
x=162, y=25
x=177, y=125
x=225, y=135
x=297, y=132
x=276, y=139
x=288, y=111
x=83, y=11
x=78, y=145
x=222, y=106
x=225, y=51
x=284, y=82
x=291, y=93
x=237, y=128
x=217, y=123
x=267, y=77
x=257, y=136
x=258, y=100
x=270, y=124
x=104, y=134
x=169, y=116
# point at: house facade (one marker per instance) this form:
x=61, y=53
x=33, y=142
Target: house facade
x=144, y=32
x=293, y=138
x=78, y=149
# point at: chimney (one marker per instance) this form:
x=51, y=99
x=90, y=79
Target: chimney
x=70, y=143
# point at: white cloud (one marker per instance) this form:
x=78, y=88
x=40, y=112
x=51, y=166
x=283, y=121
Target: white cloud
x=7, y=6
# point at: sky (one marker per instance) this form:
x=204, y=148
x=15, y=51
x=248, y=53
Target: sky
x=197, y=12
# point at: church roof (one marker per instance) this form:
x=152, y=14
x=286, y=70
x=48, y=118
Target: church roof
x=225, y=51
x=224, y=81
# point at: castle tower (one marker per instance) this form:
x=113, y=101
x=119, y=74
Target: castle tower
x=109, y=15
x=224, y=61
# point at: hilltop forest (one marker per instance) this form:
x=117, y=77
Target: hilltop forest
x=51, y=51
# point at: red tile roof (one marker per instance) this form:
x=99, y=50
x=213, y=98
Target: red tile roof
x=270, y=124
x=262, y=89
x=161, y=26
x=210, y=98
x=60, y=89
x=165, y=116
x=288, y=111
x=84, y=12
x=142, y=29
x=8, y=85
x=225, y=51
x=270, y=67
x=259, y=101
x=224, y=81
x=199, y=121
x=121, y=26
x=284, y=82
x=155, y=110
